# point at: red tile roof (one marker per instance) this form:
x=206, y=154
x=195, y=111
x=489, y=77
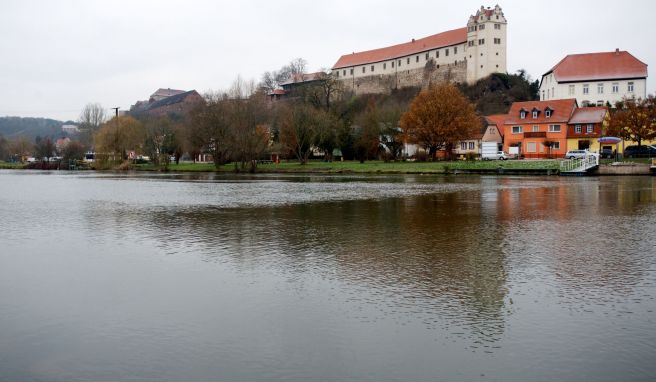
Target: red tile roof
x=562, y=110
x=448, y=38
x=589, y=115
x=599, y=66
x=498, y=120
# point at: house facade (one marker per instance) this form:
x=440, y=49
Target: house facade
x=595, y=78
x=460, y=55
x=586, y=127
x=538, y=129
x=494, y=129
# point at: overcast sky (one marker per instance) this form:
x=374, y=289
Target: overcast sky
x=56, y=56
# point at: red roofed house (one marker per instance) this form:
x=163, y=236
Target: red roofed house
x=538, y=129
x=585, y=127
x=596, y=78
x=494, y=130
x=460, y=55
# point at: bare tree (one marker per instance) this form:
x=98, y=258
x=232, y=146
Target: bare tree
x=92, y=116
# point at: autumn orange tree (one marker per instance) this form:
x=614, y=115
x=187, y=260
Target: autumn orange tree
x=438, y=118
x=634, y=120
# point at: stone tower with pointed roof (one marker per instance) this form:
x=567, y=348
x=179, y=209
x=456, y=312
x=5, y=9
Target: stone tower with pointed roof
x=486, y=43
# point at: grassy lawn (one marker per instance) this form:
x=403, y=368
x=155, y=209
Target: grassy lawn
x=11, y=165
x=370, y=167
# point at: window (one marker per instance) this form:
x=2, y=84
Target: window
x=481, y=41
x=392, y=64
x=446, y=51
x=471, y=145
x=590, y=128
x=571, y=90
x=516, y=129
x=600, y=102
x=337, y=73
x=351, y=71
x=497, y=26
x=600, y=88
x=408, y=61
x=372, y=68
x=427, y=56
x=548, y=93
x=522, y=114
x=497, y=41
x=437, y=54
x=384, y=65
x=364, y=69
x=531, y=147
x=470, y=43
x=543, y=95
x=455, y=50
x=344, y=72
x=536, y=128
x=416, y=58
x=554, y=128
x=586, y=89
x=615, y=88
x=547, y=112
x=555, y=145
x=577, y=129
x=399, y=63
x=585, y=103
x=629, y=87
x=463, y=145
x=535, y=114
x=481, y=27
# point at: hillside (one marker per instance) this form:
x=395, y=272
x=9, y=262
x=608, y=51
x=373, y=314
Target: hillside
x=11, y=127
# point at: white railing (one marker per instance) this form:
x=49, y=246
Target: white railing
x=581, y=164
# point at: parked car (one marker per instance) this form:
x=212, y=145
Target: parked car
x=607, y=153
x=643, y=151
x=500, y=155
x=577, y=154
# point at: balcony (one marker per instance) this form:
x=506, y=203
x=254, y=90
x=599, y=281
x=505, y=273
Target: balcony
x=535, y=134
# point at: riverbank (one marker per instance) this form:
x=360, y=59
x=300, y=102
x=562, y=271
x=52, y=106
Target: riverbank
x=509, y=167
x=540, y=167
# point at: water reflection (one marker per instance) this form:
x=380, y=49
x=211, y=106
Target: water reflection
x=284, y=277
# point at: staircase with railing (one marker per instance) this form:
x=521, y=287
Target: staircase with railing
x=579, y=165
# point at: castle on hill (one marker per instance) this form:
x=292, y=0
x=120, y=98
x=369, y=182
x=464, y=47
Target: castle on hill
x=460, y=55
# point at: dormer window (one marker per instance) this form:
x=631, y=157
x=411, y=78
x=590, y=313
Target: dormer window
x=535, y=113
x=548, y=112
x=522, y=114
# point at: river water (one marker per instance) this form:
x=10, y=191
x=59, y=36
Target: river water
x=174, y=277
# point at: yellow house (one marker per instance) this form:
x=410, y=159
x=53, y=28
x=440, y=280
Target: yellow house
x=585, y=128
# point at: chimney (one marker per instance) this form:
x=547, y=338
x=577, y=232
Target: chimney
x=413, y=40
x=617, y=51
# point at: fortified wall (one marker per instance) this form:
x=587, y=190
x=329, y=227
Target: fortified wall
x=430, y=74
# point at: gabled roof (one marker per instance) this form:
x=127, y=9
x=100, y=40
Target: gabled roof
x=496, y=119
x=562, y=110
x=172, y=99
x=598, y=66
x=448, y=38
x=161, y=92
x=303, y=77
x=589, y=115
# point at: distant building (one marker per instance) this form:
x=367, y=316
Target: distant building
x=168, y=102
x=460, y=55
x=161, y=93
x=70, y=129
x=585, y=127
x=595, y=78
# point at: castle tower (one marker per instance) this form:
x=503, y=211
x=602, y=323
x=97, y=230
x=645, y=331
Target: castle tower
x=486, y=43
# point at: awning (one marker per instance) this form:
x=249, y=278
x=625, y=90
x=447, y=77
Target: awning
x=609, y=140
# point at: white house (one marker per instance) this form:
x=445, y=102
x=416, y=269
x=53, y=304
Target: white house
x=595, y=78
